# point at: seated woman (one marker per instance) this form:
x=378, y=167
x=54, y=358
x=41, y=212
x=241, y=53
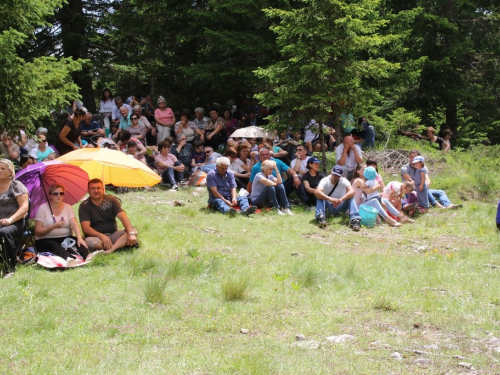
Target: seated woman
x=169, y=168
x=311, y=179
x=134, y=153
x=268, y=190
x=241, y=176
x=25, y=162
x=54, y=222
x=361, y=191
x=125, y=138
x=188, y=128
x=183, y=151
x=442, y=143
x=394, y=193
x=13, y=207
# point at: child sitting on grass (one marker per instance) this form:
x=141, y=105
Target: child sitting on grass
x=199, y=155
x=371, y=186
x=420, y=183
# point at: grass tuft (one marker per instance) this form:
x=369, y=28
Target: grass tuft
x=141, y=266
x=234, y=289
x=384, y=303
x=155, y=290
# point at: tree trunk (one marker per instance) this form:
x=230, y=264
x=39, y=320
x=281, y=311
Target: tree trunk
x=74, y=42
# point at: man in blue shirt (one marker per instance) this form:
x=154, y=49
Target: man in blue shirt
x=116, y=115
x=294, y=182
x=88, y=127
x=222, y=194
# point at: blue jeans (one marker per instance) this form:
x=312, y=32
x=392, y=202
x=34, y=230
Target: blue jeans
x=219, y=205
x=440, y=195
x=274, y=196
x=171, y=176
x=326, y=208
x=369, y=137
x=376, y=204
x=289, y=185
x=423, y=196
x=207, y=167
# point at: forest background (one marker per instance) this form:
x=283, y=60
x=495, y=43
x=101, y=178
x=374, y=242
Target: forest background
x=431, y=63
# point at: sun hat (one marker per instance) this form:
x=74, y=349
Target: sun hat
x=416, y=159
x=370, y=173
x=338, y=170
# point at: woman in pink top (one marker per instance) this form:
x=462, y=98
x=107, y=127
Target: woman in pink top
x=165, y=120
x=169, y=168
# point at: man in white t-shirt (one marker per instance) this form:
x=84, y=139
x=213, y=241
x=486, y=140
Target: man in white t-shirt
x=334, y=195
x=348, y=156
x=299, y=164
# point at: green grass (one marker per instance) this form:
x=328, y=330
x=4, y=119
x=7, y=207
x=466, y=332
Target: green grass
x=178, y=303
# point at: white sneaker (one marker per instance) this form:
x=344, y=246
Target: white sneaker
x=287, y=211
x=280, y=212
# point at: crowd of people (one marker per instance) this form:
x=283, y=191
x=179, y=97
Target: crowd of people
x=251, y=174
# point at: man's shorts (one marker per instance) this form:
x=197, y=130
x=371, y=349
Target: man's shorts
x=92, y=241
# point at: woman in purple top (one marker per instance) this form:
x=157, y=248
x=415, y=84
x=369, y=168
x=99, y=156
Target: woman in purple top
x=231, y=123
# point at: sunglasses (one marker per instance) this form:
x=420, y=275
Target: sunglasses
x=56, y=193
x=133, y=118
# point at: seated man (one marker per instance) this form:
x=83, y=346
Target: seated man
x=212, y=157
x=222, y=194
x=88, y=127
x=436, y=197
x=98, y=215
x=293, y=183
x=367, y=134
x=299, y=164
x=335, y=194
x=348, y=156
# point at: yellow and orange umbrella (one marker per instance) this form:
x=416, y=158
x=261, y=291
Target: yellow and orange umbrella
x=112, y=167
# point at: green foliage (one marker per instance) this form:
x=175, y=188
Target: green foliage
x=449, y=58
x=398, y=119
x=30, y=89
x=329, y=48
x=192, y=53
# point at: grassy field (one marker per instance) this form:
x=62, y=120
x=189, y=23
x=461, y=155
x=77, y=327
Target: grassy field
x=207, y=294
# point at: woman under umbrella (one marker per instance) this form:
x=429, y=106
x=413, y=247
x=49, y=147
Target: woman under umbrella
x=14, y=204
x=54, y=222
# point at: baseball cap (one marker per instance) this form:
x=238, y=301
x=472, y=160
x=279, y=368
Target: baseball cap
x=416, y=159
x=312, y=159
x=338, y=170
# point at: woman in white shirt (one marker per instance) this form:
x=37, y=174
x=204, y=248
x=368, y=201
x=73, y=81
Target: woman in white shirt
x=106, y=106
x=54, y=222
